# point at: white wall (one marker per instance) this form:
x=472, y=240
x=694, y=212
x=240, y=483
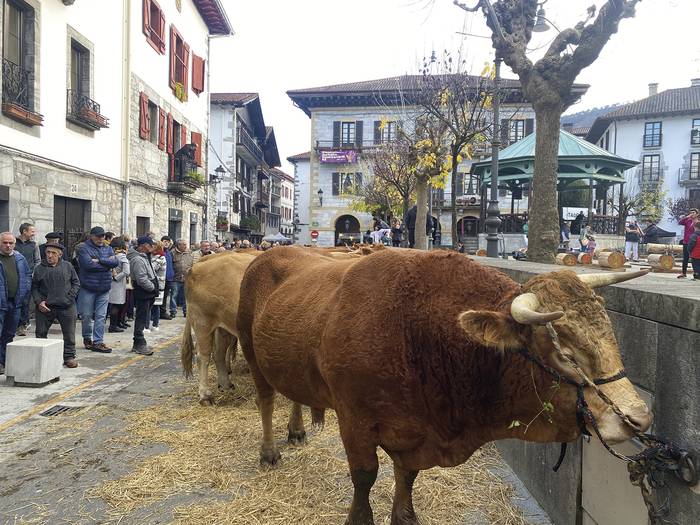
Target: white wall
x=153, y=68
x=301, y=195
x=98, y=151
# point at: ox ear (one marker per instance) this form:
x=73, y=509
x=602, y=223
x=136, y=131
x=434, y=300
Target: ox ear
x=492, y=329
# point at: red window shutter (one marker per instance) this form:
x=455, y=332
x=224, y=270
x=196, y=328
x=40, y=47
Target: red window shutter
x=185, y=76
x=144, y=121
x=197, y=141
x=147, y=17
x=170, y=134
x=173, y=56
x=197, y=74
x=161, y=32
x=161, y=129
x=183, y=135
x=202, y=66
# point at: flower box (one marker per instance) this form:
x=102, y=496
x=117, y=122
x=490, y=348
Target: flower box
x=23, y=115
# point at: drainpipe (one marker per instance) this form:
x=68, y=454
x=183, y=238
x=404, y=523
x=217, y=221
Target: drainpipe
x=235, y=163
x=126, y=89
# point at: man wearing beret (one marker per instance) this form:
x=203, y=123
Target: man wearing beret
x=55, y=286
x=95, y=262
x=52, y=238
x=146, y=287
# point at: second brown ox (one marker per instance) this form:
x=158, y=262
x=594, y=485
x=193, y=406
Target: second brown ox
x=413, y=350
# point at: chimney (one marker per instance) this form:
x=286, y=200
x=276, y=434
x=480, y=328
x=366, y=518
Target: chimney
x=695, y=82
x=653, y=89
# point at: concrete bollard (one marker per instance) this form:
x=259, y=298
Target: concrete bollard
x=34, y=362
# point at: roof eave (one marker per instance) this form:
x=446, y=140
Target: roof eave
x=215, y=17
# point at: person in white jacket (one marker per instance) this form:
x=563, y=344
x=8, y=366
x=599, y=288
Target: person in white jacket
x=160, y=265
x=117, y=293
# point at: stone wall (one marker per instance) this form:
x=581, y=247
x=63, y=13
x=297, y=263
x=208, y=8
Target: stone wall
x=657, y=325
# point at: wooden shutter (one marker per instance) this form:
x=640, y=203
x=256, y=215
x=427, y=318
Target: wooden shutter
x=147, y=17
x=162, y=131
x=336, y=133
x=173, y=56
x=377, y=132
x=197, y=74
x=505, y=132
x=186, y=73
x=336, y=183
x=170, y=145
x=529, y=126
x=144, y=121
x=183, y=135
x=161, y=32
x=197, y=141
x=358, y=133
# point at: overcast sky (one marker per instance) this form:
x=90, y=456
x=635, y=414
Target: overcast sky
x=282, y=45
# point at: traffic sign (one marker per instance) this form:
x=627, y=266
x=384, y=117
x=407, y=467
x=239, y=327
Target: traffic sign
x=314, y=234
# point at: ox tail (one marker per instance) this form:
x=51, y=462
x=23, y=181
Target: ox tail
x=187, y=349
x=318, y=418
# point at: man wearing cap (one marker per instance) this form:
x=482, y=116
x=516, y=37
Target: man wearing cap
x=55, y=286
x=145, y=283
x=15, y=287
x=52, y=238
x=95, y=261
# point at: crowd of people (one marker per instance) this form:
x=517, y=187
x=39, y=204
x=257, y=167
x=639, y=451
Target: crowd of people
x=106, y=283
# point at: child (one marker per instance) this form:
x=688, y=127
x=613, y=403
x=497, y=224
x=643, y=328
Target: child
x=590, y=247
x=694, y=249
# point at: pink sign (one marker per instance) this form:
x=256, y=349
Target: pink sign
x=338, y=157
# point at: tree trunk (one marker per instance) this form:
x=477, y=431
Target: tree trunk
x=544, y=217
x=454, y=198
x=421, y=207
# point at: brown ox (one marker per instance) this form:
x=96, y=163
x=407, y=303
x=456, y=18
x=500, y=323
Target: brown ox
x=212, y=290
x=413, y=350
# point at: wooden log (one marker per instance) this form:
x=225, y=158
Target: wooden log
x=611, y=260
x=566, y=259
x=663, y=262
x=665, y=248
x=585, y=258
x=481, y=253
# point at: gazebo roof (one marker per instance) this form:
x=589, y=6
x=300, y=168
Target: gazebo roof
x=578, y=159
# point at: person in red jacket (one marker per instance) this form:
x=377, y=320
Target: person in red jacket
x=694, y=249
x=688, y=223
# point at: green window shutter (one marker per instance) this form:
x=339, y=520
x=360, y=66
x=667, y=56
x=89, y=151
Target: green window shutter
x=336, y=183
x=358, y=133
x=336, y=134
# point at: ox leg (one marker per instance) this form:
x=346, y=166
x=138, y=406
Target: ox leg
x=269, y=455
x=222, y=342
x=297, y=433
x=402, y=512
x=364, y=465
x=204, y=348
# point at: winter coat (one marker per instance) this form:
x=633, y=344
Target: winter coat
x=632, y=234
x=120, y=276
x=694, y=246
x=24, y=286
x=170, y=270
x=143, y=278
x=182, y=262
x=96, y=276
x=410, y=220
x=30, y=251
x=197, y=255
x=688, y=224
x=159, y=264
x=56, y=285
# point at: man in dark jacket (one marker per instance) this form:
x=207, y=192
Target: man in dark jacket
x=95, y=261
x=169, y=276
x=52, y=238
x=15, y=287
x=30, y=251
x=410, y=223
x=145, y=284
x=55, y=286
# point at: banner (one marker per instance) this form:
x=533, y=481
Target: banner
x=338, y=157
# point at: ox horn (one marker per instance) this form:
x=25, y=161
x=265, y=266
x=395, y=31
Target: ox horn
x=524, y=310
x=596, y=280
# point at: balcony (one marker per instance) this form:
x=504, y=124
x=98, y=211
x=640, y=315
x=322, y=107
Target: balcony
x=276, y=190
x=186, y=186
x=275, y=210
x=263, y=199
x=650, y=176
x=689, y=176
x=248, y=146
x=329, y=145
x=84, y=111
x=17, y=94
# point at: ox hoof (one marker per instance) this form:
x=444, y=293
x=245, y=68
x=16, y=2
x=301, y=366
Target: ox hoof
x=269, y=456
x=296, y=437
x=228, y=388
x=206, y=402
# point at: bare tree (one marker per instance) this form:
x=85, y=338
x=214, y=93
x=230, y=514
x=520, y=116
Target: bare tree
x=547, y=84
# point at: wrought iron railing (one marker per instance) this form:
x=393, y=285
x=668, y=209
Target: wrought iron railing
x=606, y=224
x=650, y=175
x=689, y=175
x=652, y=140
x=82, y=108
x=244, y=139
x=276, y=210
x=330, y=145
x=17, y=85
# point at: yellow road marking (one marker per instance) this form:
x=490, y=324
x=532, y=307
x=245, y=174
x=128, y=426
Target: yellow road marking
x=82, y=386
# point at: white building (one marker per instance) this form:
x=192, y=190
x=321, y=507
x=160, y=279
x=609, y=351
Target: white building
x=302, y=197
x=286, y=204
x=662, y=132
x=84, y=135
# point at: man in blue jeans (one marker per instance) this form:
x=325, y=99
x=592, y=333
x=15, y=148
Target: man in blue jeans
x=95, y=261
x=15, y=285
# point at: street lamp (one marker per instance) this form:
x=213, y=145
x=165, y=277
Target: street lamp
x=320, y=197
x=218, y=175
x=541, y=22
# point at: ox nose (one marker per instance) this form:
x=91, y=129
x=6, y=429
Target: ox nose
x=641, y=418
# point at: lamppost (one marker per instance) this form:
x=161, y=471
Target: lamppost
x=320, y=197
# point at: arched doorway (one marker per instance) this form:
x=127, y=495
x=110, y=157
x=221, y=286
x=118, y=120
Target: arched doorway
x=467, y=228
x=347, y=230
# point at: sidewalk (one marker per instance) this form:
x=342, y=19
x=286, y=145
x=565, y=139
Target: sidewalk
x=19, y=400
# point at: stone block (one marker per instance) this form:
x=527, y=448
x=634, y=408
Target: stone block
x=638, y=340
x=34, y=362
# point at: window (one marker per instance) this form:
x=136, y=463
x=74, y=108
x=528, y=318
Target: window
x=154, y=25
x=347, y=134
x=694, y=166
x=177, y=136
x=652, y=134
x=695, y=132
x=143, y=226
x=12, y=49
x=517, y=130
x=79, y=69
x=153, y=121
x=651, y=168
x=346, y=183
x=18, y=62
x=179, y=64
